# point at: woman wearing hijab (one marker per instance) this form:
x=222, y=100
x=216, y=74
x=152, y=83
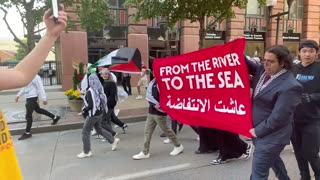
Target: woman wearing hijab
x=95, y=102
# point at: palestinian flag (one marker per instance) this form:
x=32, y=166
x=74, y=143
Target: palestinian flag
x=126, y=60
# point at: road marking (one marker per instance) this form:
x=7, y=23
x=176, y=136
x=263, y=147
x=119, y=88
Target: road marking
x=148, y=172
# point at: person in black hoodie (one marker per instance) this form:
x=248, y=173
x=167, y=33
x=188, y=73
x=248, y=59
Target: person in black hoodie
x=306, y=132
x=111, y=91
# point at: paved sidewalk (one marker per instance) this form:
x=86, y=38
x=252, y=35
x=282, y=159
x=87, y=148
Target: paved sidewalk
x=131, y=110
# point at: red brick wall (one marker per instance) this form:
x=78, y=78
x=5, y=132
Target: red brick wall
x=311, y=16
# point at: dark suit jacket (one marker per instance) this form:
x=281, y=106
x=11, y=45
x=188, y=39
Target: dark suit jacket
x=273, y=107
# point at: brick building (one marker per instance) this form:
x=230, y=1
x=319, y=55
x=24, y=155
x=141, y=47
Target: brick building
x=154, y=39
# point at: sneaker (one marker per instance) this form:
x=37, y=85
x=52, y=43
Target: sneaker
x=124, y=128
x=115, y=134
x=93, y=132
x=248, y=151
x=218, y=161
x=167, y=141
x=25, y=136
x=177, y=150
x=115, y=143
x=99, y=137
x=141, y=155
x=163, y=135
x=84, y=155
x=139, y=97
x=55, y=120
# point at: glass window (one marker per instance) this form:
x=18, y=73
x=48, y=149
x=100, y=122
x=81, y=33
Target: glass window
x=253, y=7
x=113, y=3
x=296, y=10
x=121, y=2
x=116, y=3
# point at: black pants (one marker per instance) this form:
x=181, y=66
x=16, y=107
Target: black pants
x=230, y=145
x=208, y=139
x=305, y=141
x=32, y=105
x=126, y=84
x=113, y=118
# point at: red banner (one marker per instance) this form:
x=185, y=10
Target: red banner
x=209, y=87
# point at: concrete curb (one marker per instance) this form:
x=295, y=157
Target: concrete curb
x=70, y=126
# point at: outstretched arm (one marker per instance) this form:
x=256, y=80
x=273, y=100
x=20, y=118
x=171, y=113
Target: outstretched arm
x=26, y=70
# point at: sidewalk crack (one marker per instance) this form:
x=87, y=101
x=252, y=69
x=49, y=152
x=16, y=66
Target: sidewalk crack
x=54, y=154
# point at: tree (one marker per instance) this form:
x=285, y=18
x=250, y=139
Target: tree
x=193, y=10
x=31, y=16
x=21, y=52
x=93, y=15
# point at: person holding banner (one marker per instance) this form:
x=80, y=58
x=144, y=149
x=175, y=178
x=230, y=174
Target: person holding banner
x=156, y=117
x=275, y=96
x=23, y=73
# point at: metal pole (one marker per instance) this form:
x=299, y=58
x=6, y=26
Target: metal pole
x=278, y=26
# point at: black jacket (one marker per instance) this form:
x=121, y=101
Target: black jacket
x=309, y=78
x=155, y=94
x=111, y=91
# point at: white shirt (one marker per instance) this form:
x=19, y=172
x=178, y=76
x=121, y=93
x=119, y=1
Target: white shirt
x=33, y=89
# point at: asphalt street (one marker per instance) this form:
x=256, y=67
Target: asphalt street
x=52, y=156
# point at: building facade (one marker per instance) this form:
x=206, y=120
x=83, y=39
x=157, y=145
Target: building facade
x=154, y=39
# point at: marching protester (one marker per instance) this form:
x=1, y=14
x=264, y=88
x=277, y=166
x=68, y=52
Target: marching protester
x=23, y=73
x=208, y=142
x=126, y=84
x=32, y=91
x=110, y=90
x=114, y=79
x=276, y=94
x=95, y=102
x=143, y=81
x=156, y=117
x=230, y=147
x=306, y=129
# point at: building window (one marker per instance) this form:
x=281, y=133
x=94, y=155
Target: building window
x=253, y=8
x=296, y=10
x=116, y=3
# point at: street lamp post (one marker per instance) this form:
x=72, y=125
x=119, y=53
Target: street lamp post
x=271, y=4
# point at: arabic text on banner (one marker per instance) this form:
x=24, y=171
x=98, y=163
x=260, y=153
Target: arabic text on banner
x=209, y=87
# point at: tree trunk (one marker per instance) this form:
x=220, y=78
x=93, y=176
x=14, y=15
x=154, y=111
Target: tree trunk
x=30, y=23
x=202, y=33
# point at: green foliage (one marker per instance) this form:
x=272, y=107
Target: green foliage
x=21, y=51
x=93, y=15
x=194, y=10
x=81, y=70
x=78, y=75
x=31, y=13
x=75, y=79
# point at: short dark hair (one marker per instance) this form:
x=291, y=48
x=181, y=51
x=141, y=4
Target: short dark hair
x=283, y=55
x=309, y=44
